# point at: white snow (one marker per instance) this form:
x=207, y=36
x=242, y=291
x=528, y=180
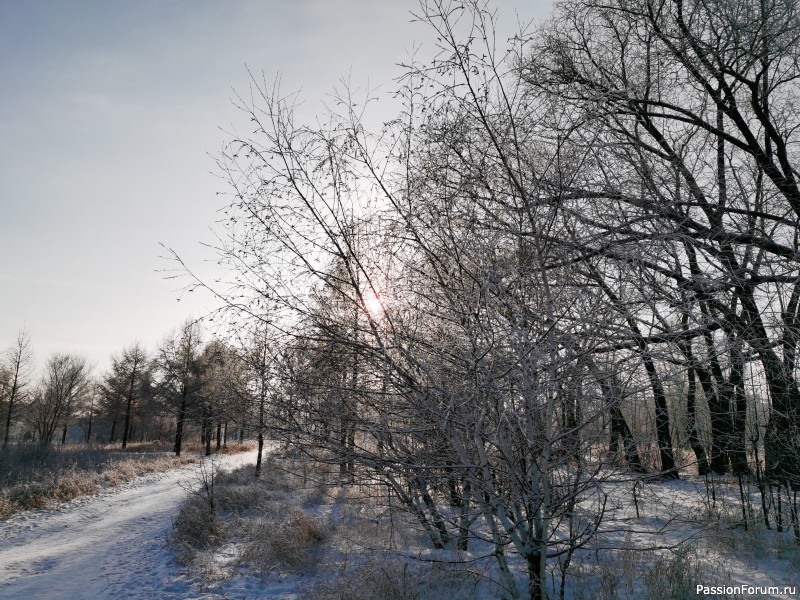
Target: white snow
x=112, y=545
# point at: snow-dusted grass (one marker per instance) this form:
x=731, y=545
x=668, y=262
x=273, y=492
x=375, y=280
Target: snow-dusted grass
x=300, y=534
x=271, y=533
x=393, y=578
x=677, y=535
x=31, y=478
x=107, y=545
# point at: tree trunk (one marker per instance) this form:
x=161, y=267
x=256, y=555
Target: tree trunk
x=261, y=407
x=208, y=434
x=621, y=433
x=536, y=583
x=89, y=427
x=179, y=426
x=718, y=458
x=8, y=417
x=691, y=425
x=8, y=420
x=691, y=401
x=663, y=435
x=260, y=452
x=126, y=428
x=737, y=443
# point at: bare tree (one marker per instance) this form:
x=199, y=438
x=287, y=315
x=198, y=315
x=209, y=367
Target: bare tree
x=124, y=384
x=439, y=326
x=180, y=372
x=218, y=397
x=257, y=357
x=65, y=381
x=18, y=364
x=690, y=103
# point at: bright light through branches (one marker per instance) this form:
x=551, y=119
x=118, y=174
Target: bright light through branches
x=373, y=304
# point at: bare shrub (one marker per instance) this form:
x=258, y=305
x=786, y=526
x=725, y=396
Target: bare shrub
x=675, y=576
x=284, y=543
x=120, y=472
x=394, y=580
x=631, y=574
x=195, y=529
x=389, y=581
x=616, y=575
x=296, y=536
x=240, y=499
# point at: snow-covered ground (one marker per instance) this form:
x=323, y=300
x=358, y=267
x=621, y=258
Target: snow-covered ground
x=111, y=545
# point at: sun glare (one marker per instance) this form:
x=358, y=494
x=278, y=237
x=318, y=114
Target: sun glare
x=373, y=304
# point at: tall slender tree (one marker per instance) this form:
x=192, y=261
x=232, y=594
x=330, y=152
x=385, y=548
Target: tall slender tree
x=124, y=384
x=180, y=370
x=18, y=364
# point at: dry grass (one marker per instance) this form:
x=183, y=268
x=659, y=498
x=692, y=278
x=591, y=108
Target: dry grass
x=195, y=530
x=297, y=521
x=385, y=580
x=285, y=541
x=31, y=479
x=391, y=578
x=262, y=517
x=631, y=574
x=290, y=522
x=233, y=448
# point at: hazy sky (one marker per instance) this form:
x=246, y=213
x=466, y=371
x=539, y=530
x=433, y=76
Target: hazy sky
x=108, y=113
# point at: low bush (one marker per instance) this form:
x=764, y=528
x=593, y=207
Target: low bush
x=196, y=529
x=631, y=574
x=394, y=579
x=28, y=496
x=388, y=581
x=675, y=576
x=260, y=515
x=289, y=542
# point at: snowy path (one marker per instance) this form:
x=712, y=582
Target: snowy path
x=107, y=546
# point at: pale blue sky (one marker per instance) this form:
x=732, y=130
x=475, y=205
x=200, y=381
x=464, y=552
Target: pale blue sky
x=108, y=111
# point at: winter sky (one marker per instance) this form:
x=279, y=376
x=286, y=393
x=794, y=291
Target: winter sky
x=110, y=114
